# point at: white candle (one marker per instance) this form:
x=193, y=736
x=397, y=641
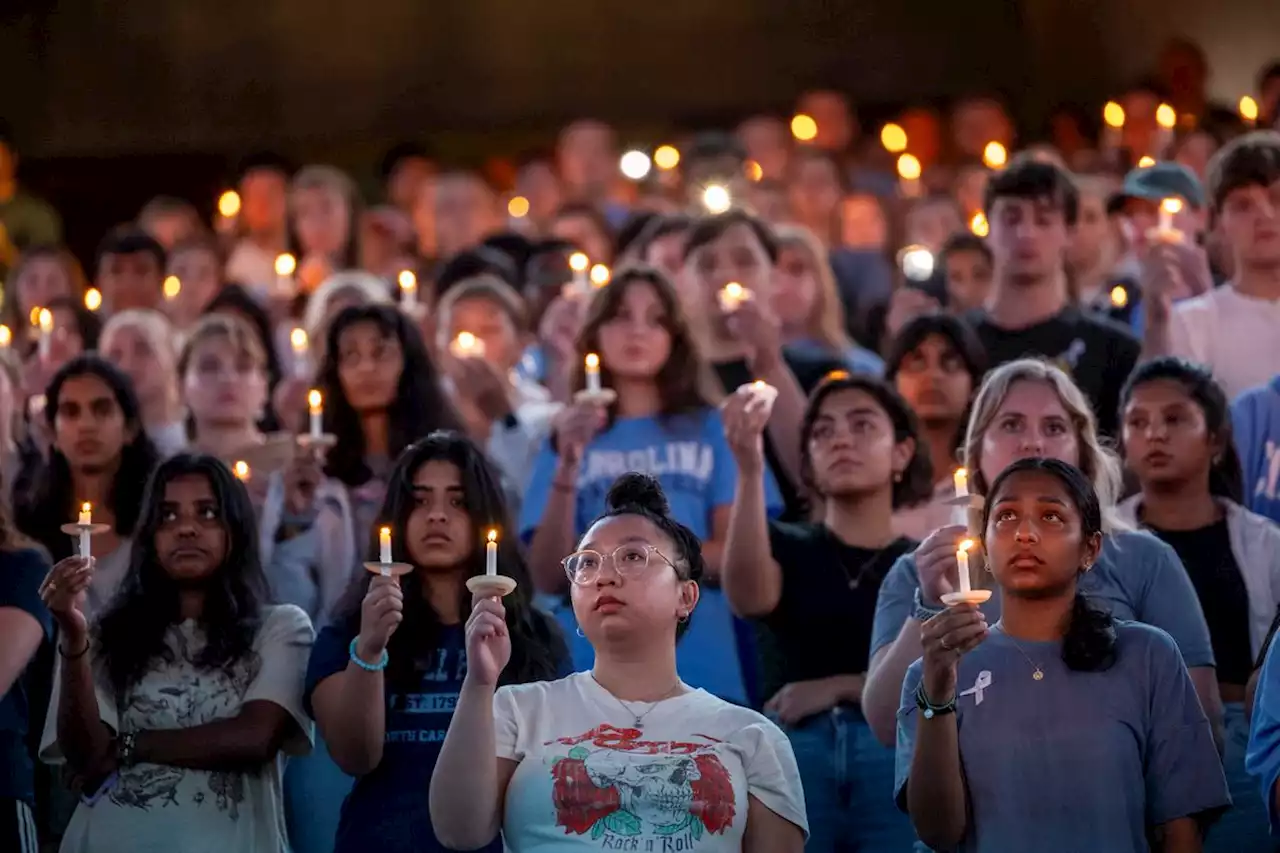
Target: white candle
x=593, y=373
x=286, y=264
x=85, y=519
x=316, y=404
x=731, y=297
x=1169, y=208
x=384, y=546
x=491, y=555
x=579, y=263
x=962, y=557
x=408, y=290
x=45, y=320
x=300, y=345
x=961, y=480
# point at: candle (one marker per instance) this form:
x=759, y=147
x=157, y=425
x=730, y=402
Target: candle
x=299, y=344
x=600, y=276
x=1119, y=296
x=635, y=165
x=764, y=392
x=491, y=554
x=804, y=127
x=241, y=470
x=1113, y=118
x=1249, y=111
x=315, y=404
x=6, y=337
x=518, y=207
x=732, y=295
x=45, y=320
x=716, y=199
x=995, y=155
x=962, y=557
x=384, y=545
x=172, y=287
x=85, y=521
x=593, y=373
x=467, y=345
x=909, y=171
x=1167, y=119
x=894, y=138
x=228, y=210
x=666, y=157
x=93, y=299
x=408, y=290
x=286, y=264
x=1146, y=161
x=579, y=262
x=978, y=224
x=1169, y=208
x=961, y=480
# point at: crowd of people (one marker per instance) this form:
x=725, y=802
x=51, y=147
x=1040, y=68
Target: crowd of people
x=888, y=492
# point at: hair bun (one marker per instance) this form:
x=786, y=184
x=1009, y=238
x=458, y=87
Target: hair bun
x=638, y=490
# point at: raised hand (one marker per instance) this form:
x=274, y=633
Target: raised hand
x=936, y=562
x=488, y=642
x=745, y=415
x=946, y=638
x=64, y=592
x=380, y=614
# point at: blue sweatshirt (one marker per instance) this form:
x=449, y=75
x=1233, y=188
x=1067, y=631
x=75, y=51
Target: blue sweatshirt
x=1255, y=417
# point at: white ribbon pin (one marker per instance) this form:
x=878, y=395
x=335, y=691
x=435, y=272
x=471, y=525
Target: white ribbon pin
x=982, y=683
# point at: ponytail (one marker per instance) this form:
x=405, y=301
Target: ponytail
x=1090, y=641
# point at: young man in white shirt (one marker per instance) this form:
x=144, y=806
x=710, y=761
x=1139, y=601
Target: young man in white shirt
x=1234, y=329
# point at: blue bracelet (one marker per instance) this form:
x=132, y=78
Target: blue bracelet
x=367, y=667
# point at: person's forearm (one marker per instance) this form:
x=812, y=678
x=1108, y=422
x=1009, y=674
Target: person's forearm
x=1155, y=334
x=463, y=795
x=883, y=688
x=1205, y=681
x=786, y=420
x=82, y=736
x=556, y=374
x=748, y=575
x=553, y=539
x=240, y=743
x=354, y=722
x=1180, y=836
x=936, y=797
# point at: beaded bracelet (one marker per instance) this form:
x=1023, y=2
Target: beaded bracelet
x=367, y=667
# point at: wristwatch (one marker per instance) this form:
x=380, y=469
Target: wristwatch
x=930, y=710
x=923, y=612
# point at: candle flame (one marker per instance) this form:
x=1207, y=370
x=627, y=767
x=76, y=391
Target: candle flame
x=755, y=172
x=6, y=336
x=172, y=287
x=735, y=291
x=86, y=507
x=979, y=225
x=407, y=280
x=298, y=340
x=893, y=138
x=45, y=319
x=384, y=532
x=1146, y=161
x=1171, y=206
x=836, y=376
x=716, y=199
x=1248, y=109
x=592, y=361
x=493, y=536
x=909, y=168
x=965, y=545
x=1119, y=296
x=1166, y=116
x=600, y=275
x=314, y=400
x=578, y=262
x=93, y=299
x=1113, y=114
x=995, y=155
x=667, y=157
x=229, y=204
x=804, y=127
x=241, y=469
x=35, y=315
x=466, y=341
x=518, y=207
x=286, y=264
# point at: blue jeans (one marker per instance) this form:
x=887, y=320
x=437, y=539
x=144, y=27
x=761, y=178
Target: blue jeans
x=1245, y=825
x=848, y=786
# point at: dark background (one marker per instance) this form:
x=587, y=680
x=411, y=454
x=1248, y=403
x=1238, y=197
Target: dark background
x=116, y=100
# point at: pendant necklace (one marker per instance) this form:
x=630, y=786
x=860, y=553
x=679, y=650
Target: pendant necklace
x=1038, y=674
x=639, y=718
x=854, y=579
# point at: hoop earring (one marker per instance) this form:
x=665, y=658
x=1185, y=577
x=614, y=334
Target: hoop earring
x=897, y=476
x=681, y=620
x=579, y=632
x=986, y=564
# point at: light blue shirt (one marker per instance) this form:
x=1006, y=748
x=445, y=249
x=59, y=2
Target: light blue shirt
x=1078, y=761
x=1255, y=419
x=690, y=457
x=1137, y=577
x=1263, y=758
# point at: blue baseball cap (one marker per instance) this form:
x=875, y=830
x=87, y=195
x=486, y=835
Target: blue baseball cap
x=1161, y=180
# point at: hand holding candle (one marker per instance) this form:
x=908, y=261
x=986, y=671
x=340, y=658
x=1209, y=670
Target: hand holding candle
x=491, y=584
x=731, y=297
x=84, y=529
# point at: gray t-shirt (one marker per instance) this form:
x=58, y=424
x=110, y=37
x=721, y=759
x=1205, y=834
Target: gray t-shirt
x=1137, y=577
x=1079, y=761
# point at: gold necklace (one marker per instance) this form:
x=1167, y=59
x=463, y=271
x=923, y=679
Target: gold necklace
x=1038, y=674
x=639, y=718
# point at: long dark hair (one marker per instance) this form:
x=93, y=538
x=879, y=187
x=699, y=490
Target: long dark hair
x=131, y=633
x=537, y=648
x=420, y=405
x=1090, y=641
x=50, y=501
x=683, y=381
x=1226, y=476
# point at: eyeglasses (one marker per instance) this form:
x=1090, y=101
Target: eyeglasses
x=583, y=567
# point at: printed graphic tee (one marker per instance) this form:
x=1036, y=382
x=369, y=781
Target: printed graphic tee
x=590, y=779
x=155, y=808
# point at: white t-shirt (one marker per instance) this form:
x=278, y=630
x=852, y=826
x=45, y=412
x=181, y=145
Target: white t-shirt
x=1237, y=336
x=588, y=779
x=153, y=808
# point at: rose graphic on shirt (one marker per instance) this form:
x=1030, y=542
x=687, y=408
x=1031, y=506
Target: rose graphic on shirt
x=632, y=788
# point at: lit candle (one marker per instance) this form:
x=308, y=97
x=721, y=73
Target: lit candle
x=228, y=210
x=1167, y=119
x=45, y=321
x=979, y=225
x=716, y=199
x=909, y=171
x=6, y=337
x=1119, y=296
x=408, y=290
x=1249, y=111
x=467, y=345
x=315, y=404
x=962, y=557
x=600, y=276
x=286, y=264
x=518, y=207
x=579, y=263
x=85, y=521
x=93, y=299
x=995, y=155
x=241, y=470
x=491, y=554
x=894, y=138
x=384, y=546
x=1169, y=208
x=804, y=127
x=299, y=344
x=764, y=392
x=666, y=157
x=732, y=295
x=593, y=373
x=961, y=480
x=1146, y=161
x=1113, y=118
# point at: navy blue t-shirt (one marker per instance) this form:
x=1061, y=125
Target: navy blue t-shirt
x=386, y=811
x=21, y=573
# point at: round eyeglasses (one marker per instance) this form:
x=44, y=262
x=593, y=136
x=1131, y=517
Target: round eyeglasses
x=630, y=560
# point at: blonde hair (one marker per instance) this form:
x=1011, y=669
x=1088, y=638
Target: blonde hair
x=367, y=289
x=484, y=286
x=1098, y=462
x=152, y=325
x=235, y=331
x=827, y=321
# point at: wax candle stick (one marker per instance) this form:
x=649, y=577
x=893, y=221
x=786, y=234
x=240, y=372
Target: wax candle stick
x=315, y=402
x=962, y=557
x=580, y=263
x=961, y=481
x=85, y=520
x=765, y=393
x=592, y=366
x=731, y=297
x=1167, y=231
x=286, y=264
x=384, y=546
x=45, y=321
x=408, y=290
x=491, y=554
x=300, y=345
